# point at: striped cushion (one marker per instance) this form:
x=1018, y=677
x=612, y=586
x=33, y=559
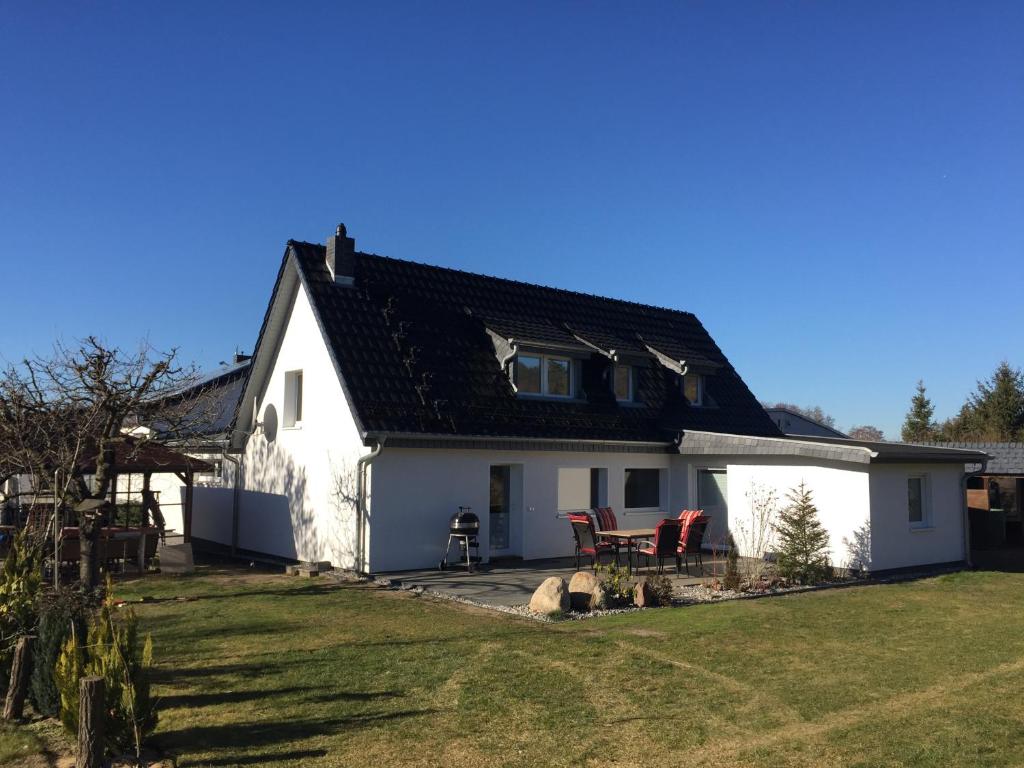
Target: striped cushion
x=605, y=519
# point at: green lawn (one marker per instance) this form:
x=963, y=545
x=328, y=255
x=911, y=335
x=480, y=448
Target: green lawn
x=274, y=670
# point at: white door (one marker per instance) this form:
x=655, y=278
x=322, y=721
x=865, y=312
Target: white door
x=712, y=497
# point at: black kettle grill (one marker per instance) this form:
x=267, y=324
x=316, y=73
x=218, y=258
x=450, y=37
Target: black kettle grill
x=464, y=528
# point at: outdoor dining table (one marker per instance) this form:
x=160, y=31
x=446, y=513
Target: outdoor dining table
x=628, y=535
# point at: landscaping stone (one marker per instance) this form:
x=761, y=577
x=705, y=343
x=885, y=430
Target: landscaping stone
x=643, y=595
x=552, y=596
x=599, y=599
x=581, y=590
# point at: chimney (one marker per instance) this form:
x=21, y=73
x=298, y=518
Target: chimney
x=341, y=257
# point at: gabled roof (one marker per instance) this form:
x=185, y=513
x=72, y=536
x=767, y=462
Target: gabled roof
x=414, y=348
x=804, y=417
x=214, y=400
x=1006, y=458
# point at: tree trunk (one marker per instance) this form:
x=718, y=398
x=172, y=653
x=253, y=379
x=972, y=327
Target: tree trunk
x=90, y=722
x=18, y=687
x=89, y=542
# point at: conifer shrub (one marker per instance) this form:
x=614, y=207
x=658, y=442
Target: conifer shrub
x=110, y=650
x=62, y=613
x=732, y=566
x=21, y=580
x=803, y=542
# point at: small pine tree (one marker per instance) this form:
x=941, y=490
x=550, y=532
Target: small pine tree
x=61, y=614
x=803, y=542
x=918, y=426
x=111, y=651
x=732, y=565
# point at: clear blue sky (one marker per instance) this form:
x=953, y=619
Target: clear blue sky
x=835, y=189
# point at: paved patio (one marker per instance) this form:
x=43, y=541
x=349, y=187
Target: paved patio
x=512, y=582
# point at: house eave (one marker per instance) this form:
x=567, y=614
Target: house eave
x=499, y=443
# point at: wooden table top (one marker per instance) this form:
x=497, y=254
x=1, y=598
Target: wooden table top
x=627, y=533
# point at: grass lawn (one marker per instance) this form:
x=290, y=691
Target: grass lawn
x=274, y=670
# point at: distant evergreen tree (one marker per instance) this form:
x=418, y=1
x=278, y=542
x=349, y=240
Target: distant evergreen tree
x=998, y=405
x=803, y=542
x=918, y=427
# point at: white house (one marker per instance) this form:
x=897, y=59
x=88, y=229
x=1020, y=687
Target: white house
x=383, y=394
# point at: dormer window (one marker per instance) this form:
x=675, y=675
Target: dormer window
x=549, y=375
x=622, y=382
x=693, y=389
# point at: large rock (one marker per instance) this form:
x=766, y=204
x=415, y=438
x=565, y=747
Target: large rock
x=599, y=599
x=552, y=596
x=581, y=590
x=643, y=595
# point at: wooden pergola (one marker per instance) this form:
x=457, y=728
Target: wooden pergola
x=132, y=456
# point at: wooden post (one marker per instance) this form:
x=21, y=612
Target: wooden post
x=187, y=517
x=18, y=687
x=146, y=477
x=90, y=722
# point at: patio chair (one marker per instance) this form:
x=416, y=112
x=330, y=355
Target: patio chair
x=586, y=540
x=605, y=518
x=665, y=544
x=691, y=538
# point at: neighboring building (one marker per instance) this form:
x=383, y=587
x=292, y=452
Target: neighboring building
x=203, y=432
x=383, y=394
x=793, y=423
x=999, y=488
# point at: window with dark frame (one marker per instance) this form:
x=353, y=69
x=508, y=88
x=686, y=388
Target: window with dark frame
x=549, y=375
x=915, y=501
x=643, y=488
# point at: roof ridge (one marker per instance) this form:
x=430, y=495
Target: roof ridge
x=510, y=280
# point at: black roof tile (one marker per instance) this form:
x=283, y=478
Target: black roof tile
x=412, y=346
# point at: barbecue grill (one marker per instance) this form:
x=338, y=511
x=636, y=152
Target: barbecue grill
x=463, y=528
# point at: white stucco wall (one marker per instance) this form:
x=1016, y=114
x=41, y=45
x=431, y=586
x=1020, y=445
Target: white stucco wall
x=288, y=505
x=415, y=491
x=894, y=543
x=841, y=493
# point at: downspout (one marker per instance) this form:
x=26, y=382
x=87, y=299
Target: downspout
x=362, y=513
x=966, y=517
x=236, y=491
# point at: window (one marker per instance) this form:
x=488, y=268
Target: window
x=622, y=382
x=693, y=388
x=580, y=488
x=292, y=398
x=917, y=508
x=544, y=375
x=643, y=488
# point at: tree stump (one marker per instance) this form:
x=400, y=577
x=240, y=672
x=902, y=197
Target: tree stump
x=21, y=668
x=90, y=722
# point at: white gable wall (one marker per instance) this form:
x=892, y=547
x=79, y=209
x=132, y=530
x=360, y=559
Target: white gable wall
x=289, y=505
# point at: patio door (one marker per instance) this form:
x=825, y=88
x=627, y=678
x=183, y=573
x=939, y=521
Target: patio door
x=501, y=509
x=712, y=497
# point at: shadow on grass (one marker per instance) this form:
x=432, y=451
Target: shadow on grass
x=266, y=757
x=255, y=736
x=235, y=697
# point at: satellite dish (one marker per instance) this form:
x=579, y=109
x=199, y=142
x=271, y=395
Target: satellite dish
x=270, y=423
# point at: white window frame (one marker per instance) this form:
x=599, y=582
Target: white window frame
x=544, y=392
x=699, y=378
x=629, y=382
x=663, y=492
x=925, y=523
x=293, y=399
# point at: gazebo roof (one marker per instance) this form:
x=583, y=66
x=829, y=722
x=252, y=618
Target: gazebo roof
x=134, y=456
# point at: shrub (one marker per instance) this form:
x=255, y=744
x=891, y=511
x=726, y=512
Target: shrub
x=617, y=583
x=20, y=583
x=111, y=651
x=803, y=541
x=732, y=566
x=61, y=613
x=661, y=588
